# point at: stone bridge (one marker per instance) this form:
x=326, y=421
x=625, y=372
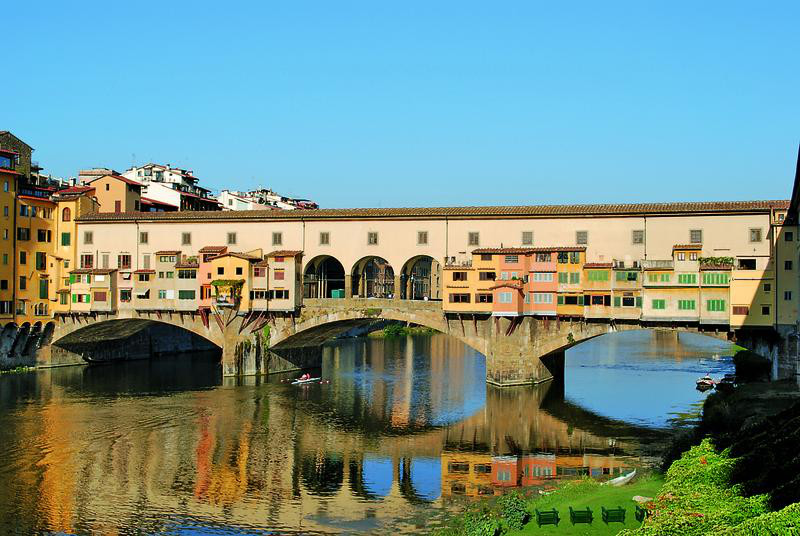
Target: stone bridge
x=518, y=350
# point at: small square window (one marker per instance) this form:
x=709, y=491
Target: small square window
x=324, y=239
x=765, y=310
x=638, y=236
x=186, y=239
x=277, y=239
x=88, y=237
x=787, y=265
x=788, y=236
x=372, y=239
x=143, y=237
x=220, y=270
x=231, y=239
x=474, y=239
x=787, y=295
x=581, y=237
x=755, y=235
x=422, y=238
x=767, y=287
x=696, y=236
x=238, y=270
x=527, y=238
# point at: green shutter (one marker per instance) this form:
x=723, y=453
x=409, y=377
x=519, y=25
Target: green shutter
x=563, y=277
x=580, y=300
x=617, y=301
x=43, y=289
x=622, y=276
x=574, y=278
x=71, y=278
x=561, y=300
x=65, y=239
x=638, y=301
x=74, y=298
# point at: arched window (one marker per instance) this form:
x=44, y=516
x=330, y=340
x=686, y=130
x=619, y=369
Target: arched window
x=66, y=214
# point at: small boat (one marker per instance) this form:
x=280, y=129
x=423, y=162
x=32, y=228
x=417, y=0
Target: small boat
x=706, y=382
x=309, y=380
x=621, y=480
x=727, y=383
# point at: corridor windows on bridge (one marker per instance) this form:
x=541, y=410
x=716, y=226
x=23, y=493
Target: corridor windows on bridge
x=231, y=239
x=696, y=236
x=324, y=238
x=581, y=237
x=277, y=239
x=527, y=238
x=637, y=236
x=186, y=239
x=372, y=238
x=755, y=235
x=459, y=276
x=459, y=298
x=143, y=237
x=474, y=239
x=422, y=238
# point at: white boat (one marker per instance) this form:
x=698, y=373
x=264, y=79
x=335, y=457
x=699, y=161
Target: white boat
x=309, y=380
x=706, y=382
x=621, y=480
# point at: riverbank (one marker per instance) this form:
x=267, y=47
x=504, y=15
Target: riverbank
x=399, y=330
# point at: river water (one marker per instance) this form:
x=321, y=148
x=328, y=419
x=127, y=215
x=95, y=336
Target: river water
x=405, y=428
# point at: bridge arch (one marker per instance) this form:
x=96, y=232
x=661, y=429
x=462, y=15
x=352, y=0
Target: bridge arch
x=323, y=277
x=420, y=278
x=373, y=277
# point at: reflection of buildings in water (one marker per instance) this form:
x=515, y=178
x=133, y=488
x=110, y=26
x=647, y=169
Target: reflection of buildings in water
x=474, y=475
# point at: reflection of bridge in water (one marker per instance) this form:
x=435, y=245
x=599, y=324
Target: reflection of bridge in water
x=266, y=455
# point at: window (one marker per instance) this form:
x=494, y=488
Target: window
x=259, y=271
x=512, y=259
x=755, y=235
x=87, y=261
x=681, y=256
x=372, y=239
x=459, y=276
x=563, y=277
x=324, y=239
x=765, y=310
x=43, y=235
x=597, y=275
x=787, y=295
x=238, y=270
x=146, y=261
x=143, y=237
x=108, y=187
x=282, y=295
x=231, y=239
x=767, y=287
x=186, y=294
x=5, y=259
x=44, y=287
x=715, y=278
x=483, y=298
x=63, y=298
x=125, y=295
x=741, y=310
x=543, y=297
x=24, y=210
x=5, y=211
x=167, y=258
x=422, y=238
x=88, y=237
x=665, y=278
x=575, y=257
x=186, y=239
x=573, y=300
x=637, y=236
x=277, y=239
x=144, y=277
x=563, y=257
x=543, y=277
x=4, y=284
x=66, y=214
x=124, y=261
x=527, y=238
x=626, y=276
x=747, y=264
x=459, y=298
x=220, y=270
x=23, y=282
x=574, y=278
x=485, y=276
x=277, y=259
x=696, y=236
x=486, y=256
x=23, y=257
x=659, y=304
x=715, y=305
x=41, y=260
x=788, y=236
x=505, y=297
x=687, y=279
x=186, y=274
x=787, y=265
x=162, y=294
x=23, y=233
x=99, y=296
x=581, y=237
x=279, y=275
x=474, y=239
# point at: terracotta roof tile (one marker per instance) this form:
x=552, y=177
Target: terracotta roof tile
x=688, y=246
x=598, y=265
x=212, y=249
x=525, y=251
x=632, y=209
x=187, y=263
x=144, y=271
x=168, y=252
x=100, y=271
x=285, y=253
x=238, y=255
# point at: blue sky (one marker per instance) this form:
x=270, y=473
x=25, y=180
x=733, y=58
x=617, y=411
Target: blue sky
x=417, y=103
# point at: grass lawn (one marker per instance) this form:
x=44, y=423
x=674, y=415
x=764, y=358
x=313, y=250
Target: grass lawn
x=589, y=493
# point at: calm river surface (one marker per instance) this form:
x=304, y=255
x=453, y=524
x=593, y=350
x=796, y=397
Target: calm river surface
x=405, y=428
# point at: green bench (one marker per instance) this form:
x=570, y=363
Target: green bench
x=613, y=515
x=641, y=513
x=547, y=517
x=581, y=516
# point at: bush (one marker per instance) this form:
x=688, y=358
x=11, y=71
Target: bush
x=750, y=365
x=394, y=330
x=782, y=523
x=514, y=510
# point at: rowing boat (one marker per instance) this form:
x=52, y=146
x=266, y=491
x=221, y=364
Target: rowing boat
x=621, y=480
x=310, y=380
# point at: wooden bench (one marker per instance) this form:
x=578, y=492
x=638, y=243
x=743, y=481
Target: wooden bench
x=547, y=517
x=581, y=516
x=641, y=513
x=613, y=515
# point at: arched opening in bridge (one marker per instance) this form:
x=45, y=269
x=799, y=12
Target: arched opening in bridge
x=373, y=277
x=420, y=279
x=323, y=278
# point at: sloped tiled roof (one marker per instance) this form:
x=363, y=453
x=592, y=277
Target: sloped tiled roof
x=634, y=209
x=598, y=265
x=212, y=249
x=285, y=253
x=688, y=246
x=525, y=251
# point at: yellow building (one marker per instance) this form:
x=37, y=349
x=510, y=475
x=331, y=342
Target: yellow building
x=787, y=278
x=8, y=180
x=34, y=247
x=230, y=273
x=115, y=193
x=570, y=272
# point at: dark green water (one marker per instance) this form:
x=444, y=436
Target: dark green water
x=405, y=427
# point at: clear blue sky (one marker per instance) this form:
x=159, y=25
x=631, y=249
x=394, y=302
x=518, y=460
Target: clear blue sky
x=417, y=103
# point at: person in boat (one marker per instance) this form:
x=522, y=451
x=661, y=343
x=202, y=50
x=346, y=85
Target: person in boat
x=305, y=376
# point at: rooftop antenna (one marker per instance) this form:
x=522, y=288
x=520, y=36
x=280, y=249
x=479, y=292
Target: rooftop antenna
x=133, y=160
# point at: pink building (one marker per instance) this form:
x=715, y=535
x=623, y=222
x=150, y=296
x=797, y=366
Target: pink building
x=542, y=282
x=509, y=288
